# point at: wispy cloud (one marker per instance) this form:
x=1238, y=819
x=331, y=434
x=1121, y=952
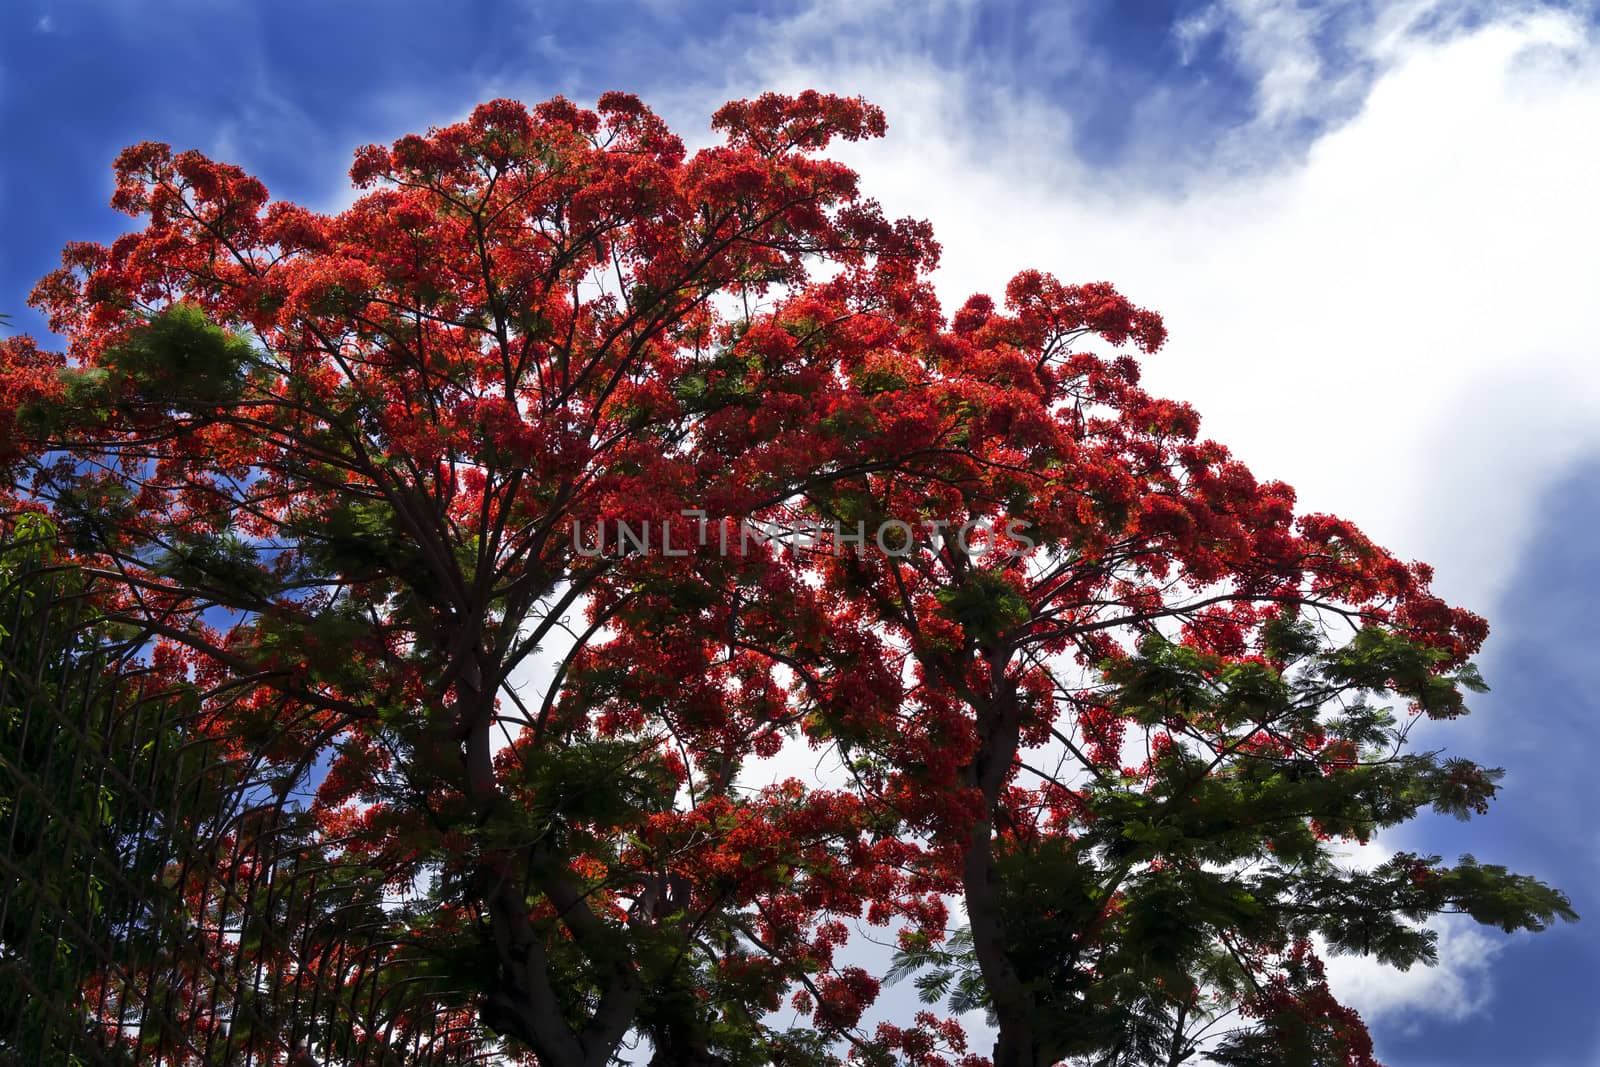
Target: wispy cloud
x=1276, y=42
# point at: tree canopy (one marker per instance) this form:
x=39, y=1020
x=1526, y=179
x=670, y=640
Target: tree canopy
x=443, y=505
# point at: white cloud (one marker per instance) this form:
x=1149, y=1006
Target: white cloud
x=1459, y=985
x=1275, y=40
x=1401, y=1001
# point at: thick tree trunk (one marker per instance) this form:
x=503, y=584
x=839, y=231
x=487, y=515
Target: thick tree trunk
x=1016, y=1045
x=523, y=1003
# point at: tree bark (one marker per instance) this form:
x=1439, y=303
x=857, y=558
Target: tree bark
x=524, y=1003
x=1016, y=1044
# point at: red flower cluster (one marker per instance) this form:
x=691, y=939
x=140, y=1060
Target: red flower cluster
x=333, y=462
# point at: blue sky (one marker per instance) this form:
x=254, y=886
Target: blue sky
x=1370, y=226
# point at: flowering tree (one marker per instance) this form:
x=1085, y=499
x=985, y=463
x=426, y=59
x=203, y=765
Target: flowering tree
x=512, y=417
